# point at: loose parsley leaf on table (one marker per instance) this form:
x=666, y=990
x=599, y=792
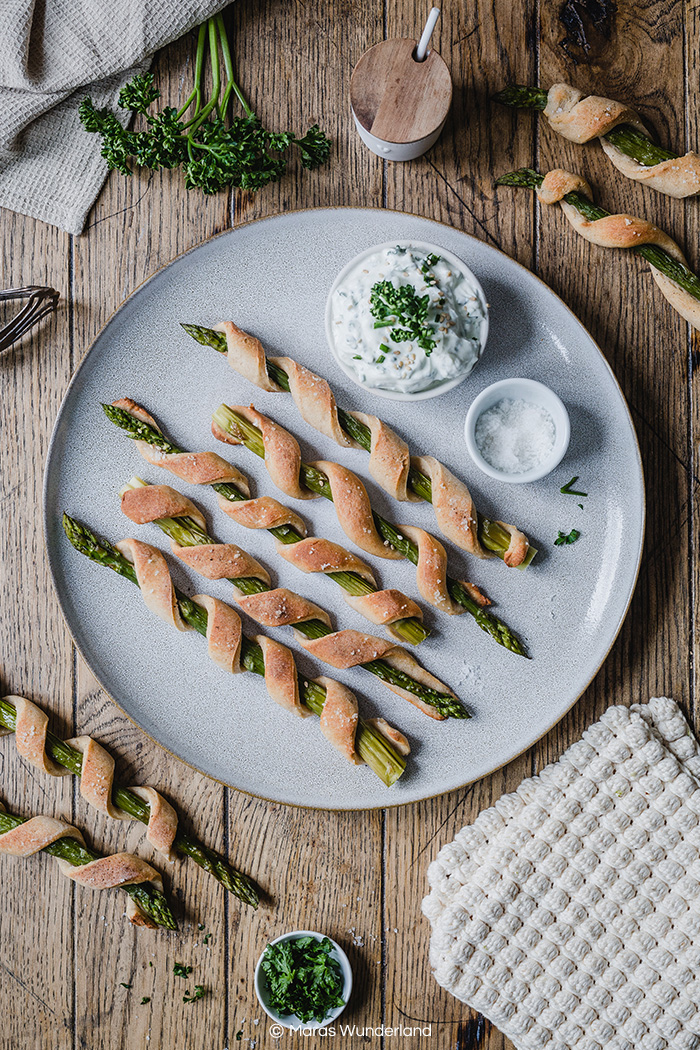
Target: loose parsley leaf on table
x=180, y=970
x=303, y=978
x=198, y=994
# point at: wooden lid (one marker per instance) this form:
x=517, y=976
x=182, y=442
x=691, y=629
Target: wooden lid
x=396, y=98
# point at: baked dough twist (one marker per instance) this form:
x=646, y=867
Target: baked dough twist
x=118, y=869
x=354, y=512
x=620, y=231
x=224, y=635
x=581, y=119
x=97, y=775
x=278, y=607
x=219, y=561
x=390, y=460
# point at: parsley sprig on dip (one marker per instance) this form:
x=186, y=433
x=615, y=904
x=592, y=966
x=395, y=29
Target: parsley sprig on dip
x=405, y=319
x=303, y=978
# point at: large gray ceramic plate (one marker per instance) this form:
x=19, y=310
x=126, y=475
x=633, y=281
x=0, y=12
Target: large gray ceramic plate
x=272, y=278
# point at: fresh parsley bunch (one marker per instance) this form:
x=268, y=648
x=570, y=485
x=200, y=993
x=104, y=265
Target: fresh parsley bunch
x=213, y=152
x=303, y=978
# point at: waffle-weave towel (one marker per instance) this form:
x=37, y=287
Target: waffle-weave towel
x=569, y=913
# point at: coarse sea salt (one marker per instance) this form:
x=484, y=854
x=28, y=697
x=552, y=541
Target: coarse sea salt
x=515, y=435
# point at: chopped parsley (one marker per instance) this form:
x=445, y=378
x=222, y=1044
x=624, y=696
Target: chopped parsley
x=356, y=357
x=197, y=994
x=563, y=538
x=239, y=1035
x=303, y=978
x=206, y=938
x=180, y=970
x=401, y=306
x=125, y=985
x=146, y=999
x=201, y=926
x=567, y=489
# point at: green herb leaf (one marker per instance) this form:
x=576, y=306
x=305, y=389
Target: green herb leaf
x=566, y=538
x=201, y=926
x=391, y=305
x=303, y=978
x=213, y=154
x=180, y=970
x=146, y=999
x=567, y=489
x=198, y=994
x=239, y=1035
x=207, y=938
x=125, y=985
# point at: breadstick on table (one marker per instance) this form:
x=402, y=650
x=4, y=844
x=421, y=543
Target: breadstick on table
x=669, y=268
x=147, y=905
x=623, y=135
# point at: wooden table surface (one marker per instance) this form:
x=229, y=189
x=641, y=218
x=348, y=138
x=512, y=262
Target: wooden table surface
x=65, y=952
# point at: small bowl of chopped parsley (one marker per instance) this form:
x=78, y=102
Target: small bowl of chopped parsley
x=303, y=980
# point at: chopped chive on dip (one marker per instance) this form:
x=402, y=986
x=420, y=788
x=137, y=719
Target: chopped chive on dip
x=303, y=978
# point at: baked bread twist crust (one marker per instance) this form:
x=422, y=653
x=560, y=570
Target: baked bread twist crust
x=97, y=775
x=119, y=869
x=620, y=231
x=390, y=460
x=354, y=512
x=581, y=119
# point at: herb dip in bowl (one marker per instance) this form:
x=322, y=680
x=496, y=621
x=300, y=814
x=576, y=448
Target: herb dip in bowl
x=407, y=321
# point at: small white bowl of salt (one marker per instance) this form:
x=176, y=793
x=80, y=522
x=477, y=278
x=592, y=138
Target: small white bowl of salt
x=517, y=430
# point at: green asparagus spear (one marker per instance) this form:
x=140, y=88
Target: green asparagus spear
x=491, y=535
x=208, y=859
x=665, y=263
x=628, y=139
x=150, y=900
x=372, y=747
x=249, y=435
x=187, y=533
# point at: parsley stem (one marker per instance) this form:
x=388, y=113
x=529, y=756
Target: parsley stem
x=216, y=87
x=231, y=84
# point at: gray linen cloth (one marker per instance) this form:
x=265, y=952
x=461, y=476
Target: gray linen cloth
x=52, y=54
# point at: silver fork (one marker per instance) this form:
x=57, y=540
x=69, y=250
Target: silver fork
x=40, y=302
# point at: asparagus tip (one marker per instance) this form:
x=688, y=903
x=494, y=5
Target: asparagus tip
x=521, y=177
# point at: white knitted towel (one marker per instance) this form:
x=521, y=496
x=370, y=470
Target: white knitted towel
x=52, y=54
x=569, y=913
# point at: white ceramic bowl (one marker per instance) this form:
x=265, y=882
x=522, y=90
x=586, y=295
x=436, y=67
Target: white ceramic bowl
x=291, y=1020
x=525, y=390
x=438, y=388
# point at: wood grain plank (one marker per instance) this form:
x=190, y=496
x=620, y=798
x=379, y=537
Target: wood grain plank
x=642, y=338
x=36, y=972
